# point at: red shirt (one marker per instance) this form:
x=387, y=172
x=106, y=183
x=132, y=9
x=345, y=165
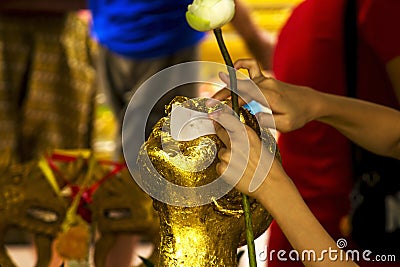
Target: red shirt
x=309, y=52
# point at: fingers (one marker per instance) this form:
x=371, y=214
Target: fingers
x=225, y=78
x=224, y=156
x=243, y=87
x=228, y=127
x=222, y=94
x=232, y=132
x=252, y=67
x=222, y=134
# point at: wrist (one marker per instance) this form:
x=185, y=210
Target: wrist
x=274, y=188
x=326, y=107
x=318, y=105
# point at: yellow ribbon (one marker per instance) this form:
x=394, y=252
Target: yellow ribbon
x=49, y=175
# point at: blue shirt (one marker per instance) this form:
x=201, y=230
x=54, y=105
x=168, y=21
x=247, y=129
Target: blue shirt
x=143, y=29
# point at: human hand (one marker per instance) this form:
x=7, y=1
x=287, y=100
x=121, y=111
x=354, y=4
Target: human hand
x=292, y=106
x=245, y=161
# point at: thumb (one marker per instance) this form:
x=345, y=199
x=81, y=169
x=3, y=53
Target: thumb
x=243, y=86
x=224, y=77
x=265, y=120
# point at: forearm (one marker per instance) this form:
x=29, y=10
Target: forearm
x=374, y=127
x=299, y=225
x=258, y=41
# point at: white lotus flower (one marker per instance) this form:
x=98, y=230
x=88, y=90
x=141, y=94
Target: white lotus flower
x=206, y=15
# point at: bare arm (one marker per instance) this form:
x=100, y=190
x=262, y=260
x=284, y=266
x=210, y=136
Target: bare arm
x=282, y=199
x=258, y=41
x=393, y=69
x=277, y=193
x=372, y=126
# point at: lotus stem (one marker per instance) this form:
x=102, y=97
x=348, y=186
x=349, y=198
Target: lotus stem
x=235, y=107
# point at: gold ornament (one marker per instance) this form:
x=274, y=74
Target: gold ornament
x=33, y=198
x=28, y=201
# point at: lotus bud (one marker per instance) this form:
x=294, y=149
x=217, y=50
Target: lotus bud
x=206, y=15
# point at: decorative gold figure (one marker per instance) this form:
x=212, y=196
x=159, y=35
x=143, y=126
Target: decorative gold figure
x=27, y=201
x=199, y=236
x=120, y=206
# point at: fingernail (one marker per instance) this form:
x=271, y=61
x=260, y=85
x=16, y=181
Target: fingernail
x=215, y=114
x=211, y=102
x=223, y=75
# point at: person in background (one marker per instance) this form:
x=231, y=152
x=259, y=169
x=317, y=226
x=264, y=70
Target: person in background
x=140, y=38
x=137, y=39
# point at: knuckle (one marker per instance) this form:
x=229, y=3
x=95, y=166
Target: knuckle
x=220, y=167
x=287, y=124
x=224, y=155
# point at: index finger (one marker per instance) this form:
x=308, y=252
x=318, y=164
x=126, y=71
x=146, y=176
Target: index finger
x=251, y=66
x=222, y=94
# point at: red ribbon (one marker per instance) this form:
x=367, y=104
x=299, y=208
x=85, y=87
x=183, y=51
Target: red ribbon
x=87, y=195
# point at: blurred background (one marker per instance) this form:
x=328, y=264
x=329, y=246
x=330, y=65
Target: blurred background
x=270, y=15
